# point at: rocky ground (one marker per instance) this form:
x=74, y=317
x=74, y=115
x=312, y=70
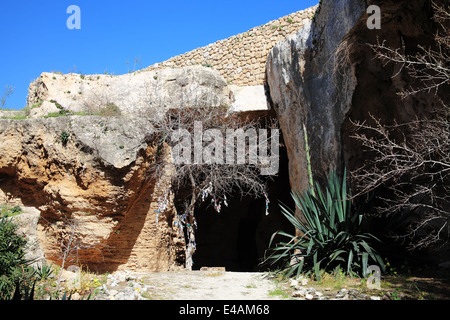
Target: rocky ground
x=185, y=285
x=215, y=285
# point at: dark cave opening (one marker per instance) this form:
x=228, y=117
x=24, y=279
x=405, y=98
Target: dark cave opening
x=238, y=236
x=230, y=238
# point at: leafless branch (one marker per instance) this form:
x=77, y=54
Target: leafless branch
x=408, y=165
x=8, y=92
x=430, y=67
x=211, y=183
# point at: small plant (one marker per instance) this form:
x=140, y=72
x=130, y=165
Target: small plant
x=6, y=211
x=110, y=110
x=16, y=117
x=59, y=106
x=37, y=105
x=8, y=91
x=16, y=210
x=64, y=136
x=278, y=292
x=25, y=294
x=44, y=271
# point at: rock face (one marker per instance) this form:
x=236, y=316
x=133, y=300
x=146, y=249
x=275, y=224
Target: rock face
x=96, y=169
x=327, y=78
x=144, y=93
x=27, y=223
x=326, y=75
x=98, y=176
x=305, y=90
x=90, y=176
x=138, y=93
x=404, y=23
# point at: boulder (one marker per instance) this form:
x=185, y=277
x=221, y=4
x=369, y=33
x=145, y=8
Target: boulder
x=27, y=223
x=146, y=93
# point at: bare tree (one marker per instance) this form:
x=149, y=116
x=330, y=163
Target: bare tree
x=411, y=177
x=8, y=91
x=430, y=67
x=212, y=182
x=410, y=170
x=72, y=244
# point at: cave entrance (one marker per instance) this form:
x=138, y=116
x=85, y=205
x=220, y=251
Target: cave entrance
x=231, y=238
x=238, y=236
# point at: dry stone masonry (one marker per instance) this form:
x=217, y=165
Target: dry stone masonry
x=241, y=59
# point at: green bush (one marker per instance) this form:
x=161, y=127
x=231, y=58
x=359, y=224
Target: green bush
x=331, y=234
x=14, y=269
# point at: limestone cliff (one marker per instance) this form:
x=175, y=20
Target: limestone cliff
x=306, y=91
x=147, y=93
x=83, y=158
x=96, y=169
x=326, y=75
x=93, y=170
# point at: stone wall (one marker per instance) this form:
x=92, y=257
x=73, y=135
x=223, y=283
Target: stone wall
x=241, y=59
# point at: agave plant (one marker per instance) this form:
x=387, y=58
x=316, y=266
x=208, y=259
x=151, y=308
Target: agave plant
x=329, y=233
x=44, y=271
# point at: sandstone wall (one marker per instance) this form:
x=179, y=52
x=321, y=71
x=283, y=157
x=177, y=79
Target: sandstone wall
x=241, y=59
x=100, y=179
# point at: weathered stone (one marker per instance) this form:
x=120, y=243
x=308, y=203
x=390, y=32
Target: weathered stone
x=249, y=98
x=318, y=294
x=309, y=296
x=304, y=91
x=146, y=93
x=27, y=223
x=98, y=176
x=299, y=293
x=293, y=283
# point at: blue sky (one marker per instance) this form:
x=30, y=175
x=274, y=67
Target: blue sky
x=34, y=37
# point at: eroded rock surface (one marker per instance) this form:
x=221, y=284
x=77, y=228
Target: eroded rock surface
x=98, y=175
x=305, y=90
x=147, y=93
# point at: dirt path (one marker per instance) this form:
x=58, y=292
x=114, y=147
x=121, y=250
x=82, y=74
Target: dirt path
x=207, y=285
